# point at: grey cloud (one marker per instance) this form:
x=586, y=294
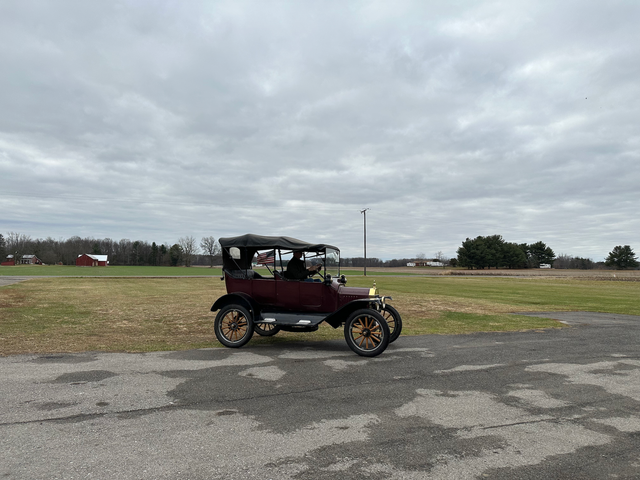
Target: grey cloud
x=158, y=120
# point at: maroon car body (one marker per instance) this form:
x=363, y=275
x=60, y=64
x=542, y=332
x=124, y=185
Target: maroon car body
x=268, y=302
x=278, y=293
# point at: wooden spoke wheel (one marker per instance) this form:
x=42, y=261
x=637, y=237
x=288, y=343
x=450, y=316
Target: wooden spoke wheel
x=394, y=321
x=233, y=326
x=366, y=333
x=266, y=329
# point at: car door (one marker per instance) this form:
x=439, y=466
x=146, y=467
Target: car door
x=287, y=294
x=311, y=295
x=264, y=290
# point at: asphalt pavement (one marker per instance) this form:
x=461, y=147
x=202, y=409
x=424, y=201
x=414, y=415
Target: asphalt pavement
x=11, y=280
x=561, y=404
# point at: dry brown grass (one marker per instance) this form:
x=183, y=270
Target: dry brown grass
x=70, y=315
x=151, y=314
x=117, y=314
x=422, y=306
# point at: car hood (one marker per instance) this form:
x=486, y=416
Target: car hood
x=355, y=293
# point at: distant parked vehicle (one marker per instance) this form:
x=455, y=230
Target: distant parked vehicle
x=272, y=302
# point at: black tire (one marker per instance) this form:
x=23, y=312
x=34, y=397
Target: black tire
x=366, y=332
x=233, y=326
x=265, y=329
x=394, y=321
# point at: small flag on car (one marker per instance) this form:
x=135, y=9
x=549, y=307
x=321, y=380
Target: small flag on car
x=266, y=258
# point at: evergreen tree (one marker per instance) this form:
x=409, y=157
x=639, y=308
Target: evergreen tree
x=136, y=252
x=163, y=254
x=493, y=251
x=153, y=257
x=175, y=255
x=539, y=254
x=622, y=257
x=494, y=246
x=513, y=256
x=481, y=252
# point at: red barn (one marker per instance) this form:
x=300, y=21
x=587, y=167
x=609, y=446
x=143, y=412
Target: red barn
x=9, y=261
x=88, y=260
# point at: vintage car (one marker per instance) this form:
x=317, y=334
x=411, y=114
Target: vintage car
x=271, y=301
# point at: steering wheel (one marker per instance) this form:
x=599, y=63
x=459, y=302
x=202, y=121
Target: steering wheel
x=318, y=270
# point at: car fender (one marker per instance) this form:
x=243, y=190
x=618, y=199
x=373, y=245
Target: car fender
x=239, y=298
x=337, y=318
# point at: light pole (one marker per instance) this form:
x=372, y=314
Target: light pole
x=364, y=212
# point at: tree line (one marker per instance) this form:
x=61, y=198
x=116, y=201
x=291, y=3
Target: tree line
x=185, y=252
x=480, y=252
x=493, y=251
x=50, y=251
x=358, y=262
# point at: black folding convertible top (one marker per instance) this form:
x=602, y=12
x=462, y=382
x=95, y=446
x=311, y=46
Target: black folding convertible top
x=249, y=244
x=260, y=242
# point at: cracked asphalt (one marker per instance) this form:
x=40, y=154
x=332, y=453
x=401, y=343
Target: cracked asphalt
x=527, y=405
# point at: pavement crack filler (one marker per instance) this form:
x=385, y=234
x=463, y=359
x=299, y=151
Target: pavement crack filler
x=81, y=417
x=529, y=422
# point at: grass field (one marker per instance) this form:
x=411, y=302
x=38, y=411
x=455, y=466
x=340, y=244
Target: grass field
x=110, y=271
x=150, y=314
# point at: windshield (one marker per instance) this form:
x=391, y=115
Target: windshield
x=278, y=259
x=332, y=264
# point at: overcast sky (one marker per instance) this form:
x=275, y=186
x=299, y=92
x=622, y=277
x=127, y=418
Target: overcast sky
x=154, y=120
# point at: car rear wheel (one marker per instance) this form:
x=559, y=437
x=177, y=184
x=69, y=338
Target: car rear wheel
x=233, y=326
x=366, y=333
x=266, y=329
x=394, y=321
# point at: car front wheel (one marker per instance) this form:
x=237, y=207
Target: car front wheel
x=233, y=326
x=394, y=321
x=366, y=333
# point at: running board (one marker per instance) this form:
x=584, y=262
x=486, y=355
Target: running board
x=297, y=319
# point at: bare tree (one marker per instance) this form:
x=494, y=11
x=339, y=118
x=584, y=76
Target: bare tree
x=74, y=246
x=106, y=245
x=210, y=247
x=121, y=251
x=440, y=257
x=189, y=248
x=17, y=244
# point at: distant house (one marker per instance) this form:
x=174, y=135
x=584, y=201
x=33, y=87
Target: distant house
x=88, y=260
x=25, y=260
x=30, y=260
x=425, y=263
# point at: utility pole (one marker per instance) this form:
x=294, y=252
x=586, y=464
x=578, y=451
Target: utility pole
x=364, y=212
